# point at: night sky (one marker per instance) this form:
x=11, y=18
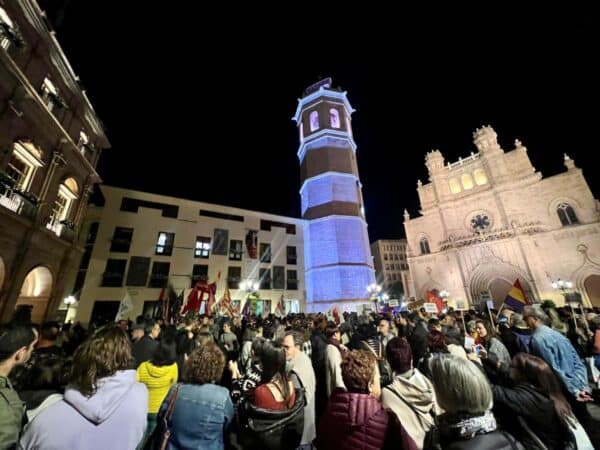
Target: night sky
x=202, y=114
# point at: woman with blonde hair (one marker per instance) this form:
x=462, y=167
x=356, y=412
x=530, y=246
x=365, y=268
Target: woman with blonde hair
x=464, y=393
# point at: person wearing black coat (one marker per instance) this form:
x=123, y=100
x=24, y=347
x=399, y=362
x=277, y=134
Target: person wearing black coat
x=531, y=394
x=318, y=342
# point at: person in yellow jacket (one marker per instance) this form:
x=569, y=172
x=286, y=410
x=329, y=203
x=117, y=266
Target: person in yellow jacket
x=158, y=374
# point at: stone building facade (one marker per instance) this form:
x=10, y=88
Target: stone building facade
x=489, y=219
x=50, y=142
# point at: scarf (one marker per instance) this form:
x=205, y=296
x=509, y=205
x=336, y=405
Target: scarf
x=465, y=426
x=337, y=344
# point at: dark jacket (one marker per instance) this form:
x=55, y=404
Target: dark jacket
x=355, y=421
x=143, y=350
x=418, y=342
x=12, y=412
x=266, y=429
x=496, y=440
x=536, y=409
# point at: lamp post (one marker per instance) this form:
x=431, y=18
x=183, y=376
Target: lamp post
x=374, y=291
x=70, y=300
x=249, y=287
x=565, y=286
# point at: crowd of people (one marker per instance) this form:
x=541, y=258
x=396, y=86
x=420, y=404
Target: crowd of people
x=411, y=380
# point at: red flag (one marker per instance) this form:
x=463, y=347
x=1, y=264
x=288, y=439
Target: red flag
x=193, y=302
x=211, y=290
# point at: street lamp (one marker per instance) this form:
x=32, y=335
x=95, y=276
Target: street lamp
x=563, y=285
x=70, y=300
x=374, y=291
x=249, y=286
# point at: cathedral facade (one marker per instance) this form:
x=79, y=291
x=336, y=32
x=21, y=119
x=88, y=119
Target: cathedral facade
x=490, y=219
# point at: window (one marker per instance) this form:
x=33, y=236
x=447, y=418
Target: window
x=9, y=33
x=301, y=132
x=314, y=121
x=114, y=273
x=424, y=244
x=266, y=225
x=454, y=185
x=133, y=204
x=84, y=141
x=235, y=250
x=385, y=256
x=467, y=181
x=164, y=243
x=278, y=277
x=387, y=267
x=67, y=194
x=160, y=274
x=265, y=253
x=566, y=214
x=348, y=126
x=334, y=118
x=138, y=271
x=292, y=280
x=291, y=254
x=199, y=273
x=202, y=249
x=24, y=159
x=50, y=96
x=480, y=177
x=265, y=278
x=121, y=240
x=234, y=277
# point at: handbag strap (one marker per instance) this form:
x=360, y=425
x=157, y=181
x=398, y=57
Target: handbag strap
x=172, y=403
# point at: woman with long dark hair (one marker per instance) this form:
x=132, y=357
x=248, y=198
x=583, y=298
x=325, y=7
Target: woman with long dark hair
x=534, y=406
x=277, y=390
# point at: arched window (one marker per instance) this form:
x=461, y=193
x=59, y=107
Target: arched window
x=334, y=118
x=480, y=177
x=566, y=214
x=467, y=181
x=454, y=185
x=424, y=244
x=314, y=121
x=68, y=192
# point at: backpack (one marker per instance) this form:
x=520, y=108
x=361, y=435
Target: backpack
x=385, y=372
x=260, y=428
x=432, y=435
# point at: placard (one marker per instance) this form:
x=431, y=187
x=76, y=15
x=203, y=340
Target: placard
x=430, y=308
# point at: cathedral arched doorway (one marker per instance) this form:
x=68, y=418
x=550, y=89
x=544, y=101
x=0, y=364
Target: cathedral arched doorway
x=592, y=289
x=496, y=281
x=35, y=292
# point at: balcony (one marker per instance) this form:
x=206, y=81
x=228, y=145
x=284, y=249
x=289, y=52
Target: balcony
x=21, y=203
x=64, y=229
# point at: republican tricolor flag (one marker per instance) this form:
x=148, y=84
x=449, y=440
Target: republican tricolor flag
x=516, y=299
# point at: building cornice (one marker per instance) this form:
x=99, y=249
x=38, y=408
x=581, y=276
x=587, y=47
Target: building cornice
x=322, y=92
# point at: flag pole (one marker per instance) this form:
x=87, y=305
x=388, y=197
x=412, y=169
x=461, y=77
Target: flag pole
x=499, y=311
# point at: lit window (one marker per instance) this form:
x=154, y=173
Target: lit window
x=202, y=249
x=480, y=177
x=164, y=243
x=50, y=94
x=314, y=121
x=566, y=214
x=334, y=118
x=454, y=185
x=467, y=181
x=9, y=33
x=67, y=194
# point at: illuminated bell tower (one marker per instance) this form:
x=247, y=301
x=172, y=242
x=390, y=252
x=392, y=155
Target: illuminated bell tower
x=337, y=255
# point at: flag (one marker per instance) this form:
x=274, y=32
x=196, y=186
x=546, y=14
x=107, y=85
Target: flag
x=280, y=308
x=193, y=302
x=125, y=307
x=337, y=317
x=246, y=308
x=225, y=303
x=516, y=299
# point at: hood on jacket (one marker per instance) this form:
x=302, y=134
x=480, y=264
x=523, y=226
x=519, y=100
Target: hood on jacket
x=354, y=409
x=150, y=370
x=106, y=400
x=417, y=390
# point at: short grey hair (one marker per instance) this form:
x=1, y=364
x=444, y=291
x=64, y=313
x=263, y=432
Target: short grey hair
x=459, y=385
x=537, y=312
x=471, y=326
x=516, y=320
